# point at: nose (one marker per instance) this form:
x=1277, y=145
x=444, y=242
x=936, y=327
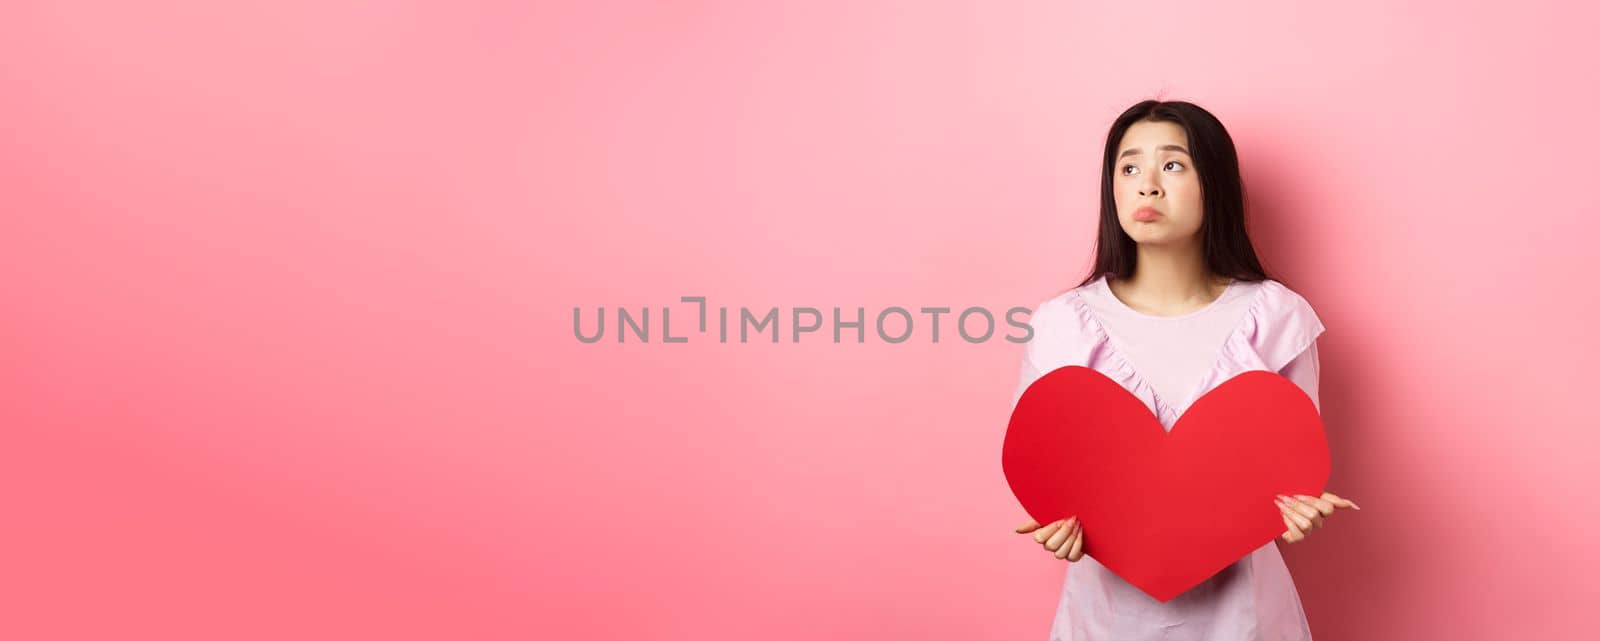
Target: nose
x=1148, y=187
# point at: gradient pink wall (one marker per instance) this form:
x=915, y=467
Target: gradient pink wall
x=289, y=289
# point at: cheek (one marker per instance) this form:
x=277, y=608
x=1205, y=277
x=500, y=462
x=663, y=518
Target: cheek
x=1190, y=190
x=1187, y=197
x=1126, y=201
x=1124, y=191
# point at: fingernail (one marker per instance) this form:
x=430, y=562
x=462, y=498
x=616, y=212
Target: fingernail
x=1353, y=504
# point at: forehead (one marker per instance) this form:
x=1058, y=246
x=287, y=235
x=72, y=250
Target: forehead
x=1145, y=135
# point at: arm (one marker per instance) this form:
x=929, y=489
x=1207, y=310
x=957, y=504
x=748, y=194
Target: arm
x=1304, y=513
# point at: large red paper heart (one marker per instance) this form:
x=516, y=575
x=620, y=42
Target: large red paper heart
x=1164, y=511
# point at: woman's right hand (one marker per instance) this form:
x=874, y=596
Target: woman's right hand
x=1064, y=538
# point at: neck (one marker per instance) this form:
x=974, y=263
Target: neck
x=1171, y=275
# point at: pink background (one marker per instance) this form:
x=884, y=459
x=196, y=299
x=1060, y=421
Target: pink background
x=288, y=353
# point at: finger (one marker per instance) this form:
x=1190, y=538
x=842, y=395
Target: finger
x=1077, y=547
x=1045, y=532
x=1059, y=536
x=1341, y=502
x=1292, y=534
x=1299, y=519
x=1323, y=505
x=1316, y=517
x=1030, y=526
x=1288, y=520
x=1066, y=545
x=1306, y=508
x=1301, y=508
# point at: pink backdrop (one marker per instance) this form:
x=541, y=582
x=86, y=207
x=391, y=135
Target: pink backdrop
x=288, y=345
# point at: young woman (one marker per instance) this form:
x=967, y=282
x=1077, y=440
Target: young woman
x=1177, y=304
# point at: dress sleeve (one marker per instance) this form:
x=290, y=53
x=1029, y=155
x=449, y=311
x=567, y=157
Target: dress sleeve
x=1059, y=339
x=1306, y=370
x=1282, y=326
x=1282, y=330
x=1031, y=370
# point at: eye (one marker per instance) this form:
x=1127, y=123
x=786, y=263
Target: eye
x=1124, y=169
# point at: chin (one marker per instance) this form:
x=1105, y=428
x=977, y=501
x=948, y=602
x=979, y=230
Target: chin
x=1156, y=236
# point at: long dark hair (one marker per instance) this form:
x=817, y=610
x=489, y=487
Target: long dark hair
x=1224, y=242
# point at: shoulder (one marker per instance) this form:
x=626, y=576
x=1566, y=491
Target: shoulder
x=1278, y=302
x=1064, y=312
x=1281, y=323
x=1063, y=333
x=1060, y=305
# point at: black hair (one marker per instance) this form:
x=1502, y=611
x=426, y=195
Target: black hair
x=1225, y=244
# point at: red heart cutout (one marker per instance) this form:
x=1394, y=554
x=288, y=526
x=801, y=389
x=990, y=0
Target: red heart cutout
x=1164, y=510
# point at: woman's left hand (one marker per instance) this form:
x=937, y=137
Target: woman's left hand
x=1302, y=513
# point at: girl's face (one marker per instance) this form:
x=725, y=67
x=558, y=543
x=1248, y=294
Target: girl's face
x=1153, y=170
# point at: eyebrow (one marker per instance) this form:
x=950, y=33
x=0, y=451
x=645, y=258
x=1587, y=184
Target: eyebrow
x=1135, y=150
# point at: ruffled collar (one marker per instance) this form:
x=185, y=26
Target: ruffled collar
x=1237, y=354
